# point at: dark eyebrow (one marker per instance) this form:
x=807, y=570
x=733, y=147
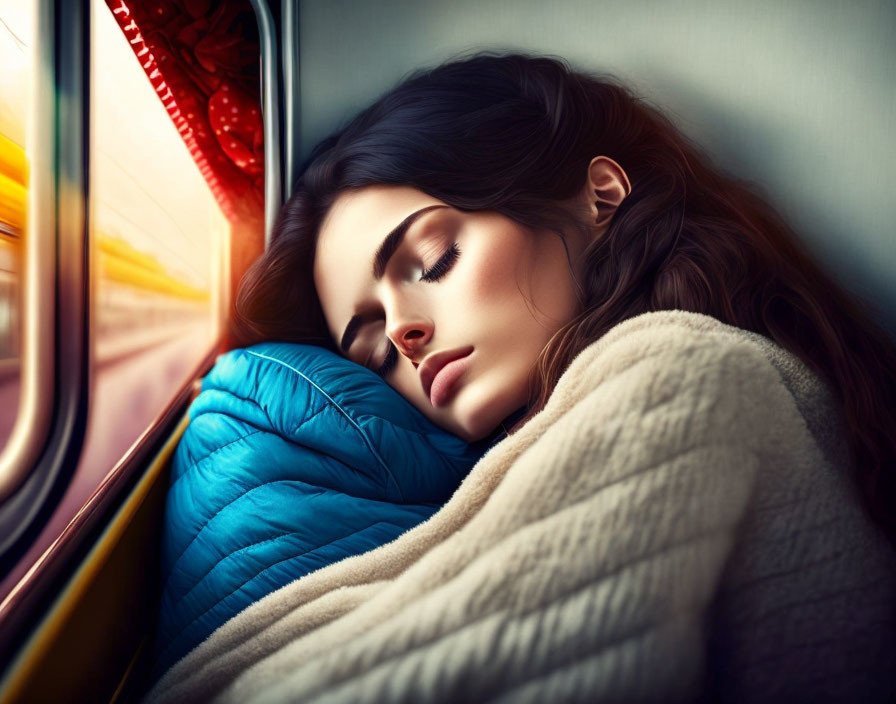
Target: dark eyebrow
x=393, y=241
x=383, y=254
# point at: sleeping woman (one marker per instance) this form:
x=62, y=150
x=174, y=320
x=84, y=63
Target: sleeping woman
x=516, y=246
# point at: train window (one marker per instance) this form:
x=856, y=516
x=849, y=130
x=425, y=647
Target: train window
x=159, y=242
x=175, y=208
x=15, y=57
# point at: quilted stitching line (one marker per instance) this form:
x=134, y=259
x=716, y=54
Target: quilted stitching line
x=309, y=418
x=342, y=411
x=210, y=454
x=233, y=591
x=212, y=518
x=247, y=399
x=253, y=402
x=241, y=550
x=242, y=437
x=328, y=398
x=205, y=525
x=269, y=540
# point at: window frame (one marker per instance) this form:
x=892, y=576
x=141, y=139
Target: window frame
x=291, y=95
x=270, y=114
x=63, y=38
x=46, y=439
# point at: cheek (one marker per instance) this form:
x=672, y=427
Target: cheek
x=492, y=279
x=520, y=283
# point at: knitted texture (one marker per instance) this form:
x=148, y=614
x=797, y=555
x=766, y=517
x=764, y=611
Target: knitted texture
x=677, y=522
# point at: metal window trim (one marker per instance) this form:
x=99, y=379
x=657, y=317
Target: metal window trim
x=32, y=423
x=291, y=95
x=270, y=109
x=49, y=428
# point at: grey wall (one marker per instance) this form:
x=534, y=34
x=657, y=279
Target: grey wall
x=799, y=97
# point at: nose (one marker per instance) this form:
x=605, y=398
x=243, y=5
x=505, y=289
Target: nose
x=410, y=336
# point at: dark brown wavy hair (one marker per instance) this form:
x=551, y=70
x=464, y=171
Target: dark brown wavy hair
x=514, y=134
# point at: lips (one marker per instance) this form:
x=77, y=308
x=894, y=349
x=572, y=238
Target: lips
x=433, y=365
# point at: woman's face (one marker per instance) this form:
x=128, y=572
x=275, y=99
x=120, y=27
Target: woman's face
x=451, y=307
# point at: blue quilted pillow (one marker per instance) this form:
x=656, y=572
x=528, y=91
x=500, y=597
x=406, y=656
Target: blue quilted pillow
x=294, y=458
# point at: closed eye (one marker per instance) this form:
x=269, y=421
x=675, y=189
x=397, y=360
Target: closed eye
x=443, y=265
x=389, y=363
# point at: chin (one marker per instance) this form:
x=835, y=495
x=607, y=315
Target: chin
x=478, y=411
x=472, y=436
x=481, y=420
x=469, y=427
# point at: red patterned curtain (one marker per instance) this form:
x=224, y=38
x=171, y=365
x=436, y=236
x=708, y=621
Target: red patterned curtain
x=202, y=59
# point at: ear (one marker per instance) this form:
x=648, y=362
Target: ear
x=606, y=186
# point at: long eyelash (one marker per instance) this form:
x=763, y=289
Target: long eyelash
x=443, y=266
x=389, y=363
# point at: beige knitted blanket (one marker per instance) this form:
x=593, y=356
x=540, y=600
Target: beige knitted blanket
x=684, y=474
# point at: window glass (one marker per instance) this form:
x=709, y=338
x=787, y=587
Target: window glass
x=16, y=23
x=158, y=241
x=168, y=193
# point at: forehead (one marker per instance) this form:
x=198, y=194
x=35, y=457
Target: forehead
x=349, y=236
